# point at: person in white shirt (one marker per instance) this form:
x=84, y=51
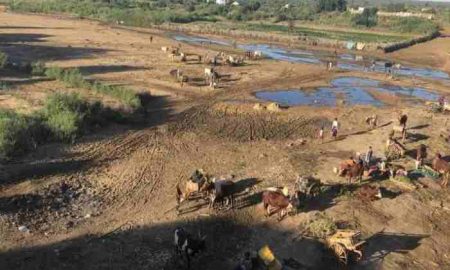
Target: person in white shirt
x=334, y=128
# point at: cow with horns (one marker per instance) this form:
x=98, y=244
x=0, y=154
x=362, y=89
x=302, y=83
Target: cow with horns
x=187, y=245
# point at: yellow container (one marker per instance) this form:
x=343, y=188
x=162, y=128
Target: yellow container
x=266, y=255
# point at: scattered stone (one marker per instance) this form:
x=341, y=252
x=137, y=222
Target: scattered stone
x=24, y=229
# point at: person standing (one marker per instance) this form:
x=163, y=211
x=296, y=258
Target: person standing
x=369, y=155
x=321, y=134
x=334, y=128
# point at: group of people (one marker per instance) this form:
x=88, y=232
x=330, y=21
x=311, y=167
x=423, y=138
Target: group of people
x=334, y=130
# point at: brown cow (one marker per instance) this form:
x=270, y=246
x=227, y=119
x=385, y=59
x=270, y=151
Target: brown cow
x=421, y=155
x=355, y=171
x=443, y=167
x=275, y=201
x=197, y=183
x=369, y=193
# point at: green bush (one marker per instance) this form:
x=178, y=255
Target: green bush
x=3, y=59
x=38, y=68
x=14, y=137
x=331, y=5
x=74, y=78
x=368, y=18
x=127, y=96
x=65, y=115
x=55, y=73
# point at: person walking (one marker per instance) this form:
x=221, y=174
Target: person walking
x=334, y=128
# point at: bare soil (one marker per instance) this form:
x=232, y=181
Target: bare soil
x=107, y=201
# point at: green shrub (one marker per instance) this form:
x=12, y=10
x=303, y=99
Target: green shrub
x=127, y=96
x=14, y=137
x=65, y=115
x=368, y=18
x=38, y=68
x=74, y=78
x=3, y=59
x=55, y=73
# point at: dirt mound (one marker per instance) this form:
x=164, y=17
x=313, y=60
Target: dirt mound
x=245, y=127
x=58, y=206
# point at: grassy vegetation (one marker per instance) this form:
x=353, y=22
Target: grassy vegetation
x=74, y=78
x=64, y=117
x=38, y=68
x=320, y=226
x=409, y=25
x=14, y=133
x=3, y=59
x=149, y=13
x=134, y=14
x=335, y=34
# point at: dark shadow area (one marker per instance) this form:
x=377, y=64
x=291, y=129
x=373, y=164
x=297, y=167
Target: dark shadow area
x=390, y=194
x=244, y=184
x=416, y=137
x=21, y=37
x=101, y=69
x=325, y=199
x=30, y=27
x=412, y=153
x=13, y=44
x=26, y=81
x=10, y=205
x=419, y=127
x=382, y=244
x=31, y=53
x=134, y=247
x=27, y=170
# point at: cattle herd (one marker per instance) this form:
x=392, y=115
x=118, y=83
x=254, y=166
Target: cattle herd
x=220, y=194
x=212, y=76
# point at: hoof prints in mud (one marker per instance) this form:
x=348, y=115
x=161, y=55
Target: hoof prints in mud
x=63, y=205
x=242, y=127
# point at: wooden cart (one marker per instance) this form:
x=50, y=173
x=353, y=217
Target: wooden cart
x=345, y=243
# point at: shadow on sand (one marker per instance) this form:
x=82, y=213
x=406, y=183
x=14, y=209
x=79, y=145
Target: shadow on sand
x=152, y=247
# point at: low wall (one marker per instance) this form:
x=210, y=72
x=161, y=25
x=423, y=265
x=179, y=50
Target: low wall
x=405, y=44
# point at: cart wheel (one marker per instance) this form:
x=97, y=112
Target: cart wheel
x=341, y=252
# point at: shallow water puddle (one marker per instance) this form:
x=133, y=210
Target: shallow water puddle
x=351, y=90
x=345, y=61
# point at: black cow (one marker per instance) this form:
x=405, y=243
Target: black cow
x=185, y=243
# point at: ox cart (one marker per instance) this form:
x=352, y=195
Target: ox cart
x=346, y=244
